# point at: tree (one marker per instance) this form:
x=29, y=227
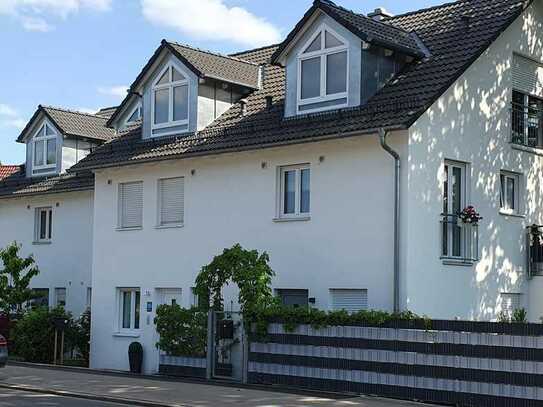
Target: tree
x=15, y=278
x=248, y=269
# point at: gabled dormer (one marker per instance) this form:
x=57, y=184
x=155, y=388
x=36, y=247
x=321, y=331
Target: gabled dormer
x=182, y=90
x=335, y=58
x=57, y=138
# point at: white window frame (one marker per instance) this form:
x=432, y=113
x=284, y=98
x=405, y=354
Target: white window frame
x=160, y=223
x=464, y=198
x=323, y=54
x=298, y=192
x=45, y=138
x=137, y=107
x=517, y=181
x=57, y=289
x=48, y=224
x=120, y=309
x=170, y=86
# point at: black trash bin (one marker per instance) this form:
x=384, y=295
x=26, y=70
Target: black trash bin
x=135, y=357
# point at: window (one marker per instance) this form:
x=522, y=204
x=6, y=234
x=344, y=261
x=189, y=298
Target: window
x=44, y=149
x=295, y=191
x=40, y=297
x=60, y=297
x=170, y=98
x=293, y=297
x=170, y=296
x=509, y=192
x=527, y=120
x=130, y=299
x=171, y=197
x=131, y=205
x=88, y=303
x=350, y=300
x=135, y=115
x=459, y=241
x=44, y=224
x=510, y=303
x=323, y=72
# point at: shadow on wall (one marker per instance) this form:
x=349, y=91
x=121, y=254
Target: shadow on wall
x=472, y=123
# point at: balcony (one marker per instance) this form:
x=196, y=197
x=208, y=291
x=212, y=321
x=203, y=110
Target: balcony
x=527, y=123
x=534, y=243
x=459, y=241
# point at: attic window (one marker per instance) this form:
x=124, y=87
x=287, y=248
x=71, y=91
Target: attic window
x=322, y=72
x=44, y=149
x=170, y=99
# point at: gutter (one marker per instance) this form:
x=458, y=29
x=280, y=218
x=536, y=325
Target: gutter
x=396, y=284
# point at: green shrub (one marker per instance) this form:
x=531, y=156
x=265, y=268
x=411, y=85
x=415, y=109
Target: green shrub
x=520, y=316
x=81, y=335
x=183, y=332
x=33, y=337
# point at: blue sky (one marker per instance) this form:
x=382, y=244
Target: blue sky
x=82, y=54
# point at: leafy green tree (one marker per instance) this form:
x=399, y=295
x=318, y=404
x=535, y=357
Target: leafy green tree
x=15, y=278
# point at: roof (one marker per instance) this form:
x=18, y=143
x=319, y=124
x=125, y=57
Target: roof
x=106, y=112
x=72, y=123
x=204, y=64
x=453, y=48
x=6, y=170
x=17, y=184
x=369, y=30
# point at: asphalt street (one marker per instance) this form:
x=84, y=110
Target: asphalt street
x=14, y=398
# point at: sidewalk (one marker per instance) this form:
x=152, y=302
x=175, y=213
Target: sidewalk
x=151, y=392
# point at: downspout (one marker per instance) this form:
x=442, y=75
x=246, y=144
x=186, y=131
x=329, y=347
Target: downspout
x=383, y=140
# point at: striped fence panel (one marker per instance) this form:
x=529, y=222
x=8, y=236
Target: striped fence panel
x=183, y=366
x=478, y=368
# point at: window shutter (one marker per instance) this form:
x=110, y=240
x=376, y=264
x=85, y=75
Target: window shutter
x=172, y=200
x=527, y=75
x=349, y=300
x=131, y=204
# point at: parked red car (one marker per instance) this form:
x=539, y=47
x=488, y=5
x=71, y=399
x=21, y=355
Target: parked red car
x=3, y=351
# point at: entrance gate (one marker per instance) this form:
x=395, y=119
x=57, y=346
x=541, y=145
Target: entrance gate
x=227, y=346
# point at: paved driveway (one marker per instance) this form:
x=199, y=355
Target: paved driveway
x=171, y=393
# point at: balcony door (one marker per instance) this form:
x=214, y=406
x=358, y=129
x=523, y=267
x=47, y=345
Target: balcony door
x=454, y=201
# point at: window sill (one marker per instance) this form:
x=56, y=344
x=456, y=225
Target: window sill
x=128, y=229
x=511, y=214
x=456, y=262
x=178, y=226
x=293, y=219
x=44, y=242
x=126, y=334
x=532, y=150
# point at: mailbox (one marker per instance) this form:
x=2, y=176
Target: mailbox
x=225, y=329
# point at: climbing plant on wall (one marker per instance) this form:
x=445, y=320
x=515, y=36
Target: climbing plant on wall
x=248, y=269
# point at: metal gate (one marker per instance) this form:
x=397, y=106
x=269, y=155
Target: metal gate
x=227, y=343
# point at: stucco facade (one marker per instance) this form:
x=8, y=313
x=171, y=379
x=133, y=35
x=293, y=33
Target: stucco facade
x=65, y=261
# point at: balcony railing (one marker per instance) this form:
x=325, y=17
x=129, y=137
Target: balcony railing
x=459, y=241
x=534, y=243
x=527, y=125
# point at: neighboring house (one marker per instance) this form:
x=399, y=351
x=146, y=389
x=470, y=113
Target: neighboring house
x=7, y=170
x=298, y=149
x=50, y=212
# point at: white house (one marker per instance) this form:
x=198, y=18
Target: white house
x=49, y=212
x=347, y=153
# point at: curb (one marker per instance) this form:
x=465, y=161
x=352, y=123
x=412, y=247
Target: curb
x=87, y=396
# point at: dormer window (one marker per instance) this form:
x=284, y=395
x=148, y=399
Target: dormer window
x=170, y=99
x=44, y=149
x=322, y=72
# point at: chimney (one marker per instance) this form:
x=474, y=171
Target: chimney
x=379, y=14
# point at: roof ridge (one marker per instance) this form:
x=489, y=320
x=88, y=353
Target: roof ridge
x=62, y=109
x=254, y=49
x=426, y=9
x=217, y=54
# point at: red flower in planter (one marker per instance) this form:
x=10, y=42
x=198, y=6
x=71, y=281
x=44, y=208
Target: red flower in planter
x=470, y=215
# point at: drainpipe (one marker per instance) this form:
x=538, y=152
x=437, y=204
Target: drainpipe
x=383, y=140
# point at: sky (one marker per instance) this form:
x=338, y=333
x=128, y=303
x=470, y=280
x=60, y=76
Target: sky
x=83, y=54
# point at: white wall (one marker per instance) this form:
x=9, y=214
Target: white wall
x=66, y=261
x=229, y=199
x=471, y=123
